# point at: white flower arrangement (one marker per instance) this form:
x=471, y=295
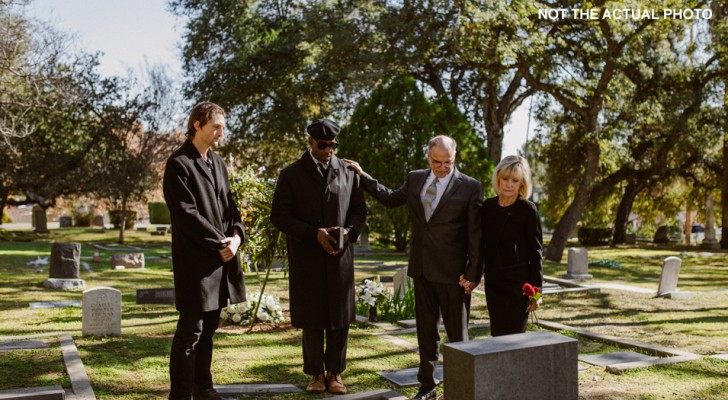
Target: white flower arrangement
x=269, y=311
x=372, y=293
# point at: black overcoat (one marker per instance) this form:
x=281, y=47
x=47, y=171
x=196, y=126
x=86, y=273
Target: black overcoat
x=203, y=213
x=321, y=285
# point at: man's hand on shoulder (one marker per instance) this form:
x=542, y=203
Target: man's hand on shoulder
x=354, y=165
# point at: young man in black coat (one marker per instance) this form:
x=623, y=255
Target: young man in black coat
x=314, y=197
x=206, y=234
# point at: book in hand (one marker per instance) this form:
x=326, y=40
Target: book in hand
x=338, y=234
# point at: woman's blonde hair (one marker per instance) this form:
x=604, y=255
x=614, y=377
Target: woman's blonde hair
x=510, y=166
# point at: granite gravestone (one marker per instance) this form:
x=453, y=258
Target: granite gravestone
x=39, y=219
x=132, y=260
x=532, y=365
x=668, y=279
x=101, y=315
x=577, y=265
x=65, y=265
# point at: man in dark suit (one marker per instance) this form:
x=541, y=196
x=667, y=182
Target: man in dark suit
x=445, y=251
x=315, y=197
x=206, y=234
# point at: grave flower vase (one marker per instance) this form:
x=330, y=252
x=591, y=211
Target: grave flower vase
x=373, y=314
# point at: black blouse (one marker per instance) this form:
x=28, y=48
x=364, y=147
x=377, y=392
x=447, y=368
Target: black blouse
x=512, y=235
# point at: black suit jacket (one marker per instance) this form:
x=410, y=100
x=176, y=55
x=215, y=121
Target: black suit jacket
x=203, y=213
x=450, y=243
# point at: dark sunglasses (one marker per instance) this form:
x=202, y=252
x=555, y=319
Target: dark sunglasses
x=323, y=146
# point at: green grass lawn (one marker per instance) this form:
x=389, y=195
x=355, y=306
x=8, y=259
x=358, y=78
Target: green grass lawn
x=135, y=365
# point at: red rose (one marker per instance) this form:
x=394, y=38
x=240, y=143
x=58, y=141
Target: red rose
x=529, y=290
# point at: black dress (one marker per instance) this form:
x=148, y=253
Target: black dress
x=513, y=247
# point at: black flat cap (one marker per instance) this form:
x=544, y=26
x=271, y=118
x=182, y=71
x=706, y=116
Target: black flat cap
x=323, y=129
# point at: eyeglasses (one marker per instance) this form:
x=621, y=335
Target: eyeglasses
x=324, y=146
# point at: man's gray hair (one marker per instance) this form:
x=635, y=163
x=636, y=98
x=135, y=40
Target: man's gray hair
x=444, y=141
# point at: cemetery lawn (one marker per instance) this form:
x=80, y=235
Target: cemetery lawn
x=135, y=365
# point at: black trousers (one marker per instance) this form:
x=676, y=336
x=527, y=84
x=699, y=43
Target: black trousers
x=332, y=358
x=191, y=355
x=431, y=301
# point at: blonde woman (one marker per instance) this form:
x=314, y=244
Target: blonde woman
x=513, y=247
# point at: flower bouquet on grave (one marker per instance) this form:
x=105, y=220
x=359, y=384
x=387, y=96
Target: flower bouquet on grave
x=372, y=294
x=534, y=294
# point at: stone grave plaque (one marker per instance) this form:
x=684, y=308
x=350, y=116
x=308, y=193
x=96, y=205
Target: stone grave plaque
x=101, y=314
x=23, y=345
x=155, y=296
x=54, y=304
x=618, y=357
x=408, y=377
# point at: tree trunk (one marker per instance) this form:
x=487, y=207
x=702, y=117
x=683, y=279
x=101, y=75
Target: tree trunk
x=568, y=221
x=724, y=192
x=122, y=225
x=623, y=210
x=494, y=132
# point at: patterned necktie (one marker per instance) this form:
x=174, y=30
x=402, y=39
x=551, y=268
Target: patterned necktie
x=429, y=198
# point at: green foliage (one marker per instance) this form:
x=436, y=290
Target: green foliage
x=388, y=134
x=83, y=213
x=158, y=213
x=5, y=218
x=130, y=218
x=594, y=236
x=253, y=196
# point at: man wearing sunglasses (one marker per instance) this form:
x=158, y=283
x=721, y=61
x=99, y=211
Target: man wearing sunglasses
x=319, y=204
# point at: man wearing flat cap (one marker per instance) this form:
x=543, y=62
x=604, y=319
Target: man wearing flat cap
x=319, y=205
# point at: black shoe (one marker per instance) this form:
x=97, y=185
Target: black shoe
x=205, y=393
x=426, y=394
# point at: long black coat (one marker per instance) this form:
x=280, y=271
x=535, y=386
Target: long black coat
x=321, y=285
x=202, y=214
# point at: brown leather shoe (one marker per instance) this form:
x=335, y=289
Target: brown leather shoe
x=335, y=383
x=317, y=385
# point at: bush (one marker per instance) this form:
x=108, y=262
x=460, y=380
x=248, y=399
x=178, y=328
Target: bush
x=594, y=236
x=115, y=217
x=6, y=219
x=159, y=213
x=82, y=213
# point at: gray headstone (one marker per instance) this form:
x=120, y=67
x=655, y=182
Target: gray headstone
x=577, y=264
x=668, y=278
x=254, y=388
x=630, y=238
x=401, y=283
x=709, y=240
x=548, y=360
x=98, y=220
x=131, y=260
x=155, y=296
x=39, y=219
x=617, y=357
x=65, y=221
x=65, y=260
x=101, y=314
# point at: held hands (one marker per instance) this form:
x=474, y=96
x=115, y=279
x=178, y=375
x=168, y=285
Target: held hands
x=357, y=168
x=467, y=285
x=231, y=247
x=328, y=242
